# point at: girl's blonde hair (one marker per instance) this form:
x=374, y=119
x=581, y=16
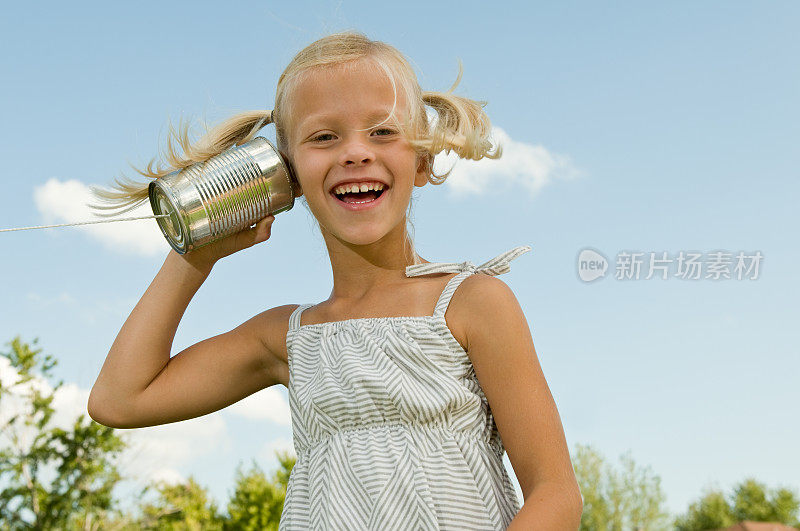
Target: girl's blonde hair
x=459, y=123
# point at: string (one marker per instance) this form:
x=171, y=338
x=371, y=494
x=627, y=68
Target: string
x=83, y=223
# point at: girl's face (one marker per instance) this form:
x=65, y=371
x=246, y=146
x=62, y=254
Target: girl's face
x=334, y=140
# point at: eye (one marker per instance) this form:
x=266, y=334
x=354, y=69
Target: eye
x=385, y=132
x=322, y=138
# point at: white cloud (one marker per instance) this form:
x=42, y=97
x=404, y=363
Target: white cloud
x=42, y=300
x=159, y=452
x=281, y=445
x=528, y=166
x=66, y=202
x=169, y=476
x=70, y=402
x=7, y=373
x=267, y=404
x=13, y=401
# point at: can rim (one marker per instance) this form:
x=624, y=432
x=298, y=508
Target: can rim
x=155, y=191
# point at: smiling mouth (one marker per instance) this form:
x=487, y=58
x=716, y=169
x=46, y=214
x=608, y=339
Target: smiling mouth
x=359, y=197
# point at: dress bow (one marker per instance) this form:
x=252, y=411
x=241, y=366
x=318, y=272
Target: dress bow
x=496, y=266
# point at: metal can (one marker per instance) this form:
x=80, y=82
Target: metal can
x=223, y=195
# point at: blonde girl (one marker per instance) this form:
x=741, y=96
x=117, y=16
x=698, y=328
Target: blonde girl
x=411, y=380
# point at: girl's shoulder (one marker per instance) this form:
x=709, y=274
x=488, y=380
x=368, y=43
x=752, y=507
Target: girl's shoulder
x=472, y=288
x=474, y=296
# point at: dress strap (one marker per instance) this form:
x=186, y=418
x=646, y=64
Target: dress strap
x=294, y=318
x=496, y=266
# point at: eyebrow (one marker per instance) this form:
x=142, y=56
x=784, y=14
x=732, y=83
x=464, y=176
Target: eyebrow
x=373, y=117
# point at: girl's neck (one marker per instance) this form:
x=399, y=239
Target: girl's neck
x=363, y=272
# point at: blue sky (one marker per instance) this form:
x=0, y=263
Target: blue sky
x=634, y=127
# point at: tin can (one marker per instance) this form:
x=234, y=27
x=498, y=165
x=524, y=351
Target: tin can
x=223, y=195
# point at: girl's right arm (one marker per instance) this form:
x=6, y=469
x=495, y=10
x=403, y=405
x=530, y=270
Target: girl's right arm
x=140, y=385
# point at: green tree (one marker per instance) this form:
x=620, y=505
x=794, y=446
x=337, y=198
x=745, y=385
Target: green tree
x=52, y=477
x=181, y=507
x=286, y=463
x=750, y=500
x=257, y=502
x=629, y=499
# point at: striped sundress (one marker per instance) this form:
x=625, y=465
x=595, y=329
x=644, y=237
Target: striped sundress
x=391, y=429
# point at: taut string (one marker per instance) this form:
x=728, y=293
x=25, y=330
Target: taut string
x=83, y=223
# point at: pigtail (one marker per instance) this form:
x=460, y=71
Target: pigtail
x=128, y=194
x=460, y=125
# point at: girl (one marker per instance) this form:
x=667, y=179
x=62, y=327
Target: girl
x=402, y=383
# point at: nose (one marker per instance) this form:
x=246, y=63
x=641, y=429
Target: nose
x=356, y=152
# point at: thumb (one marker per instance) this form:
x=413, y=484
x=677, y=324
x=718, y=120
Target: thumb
x=262, y=230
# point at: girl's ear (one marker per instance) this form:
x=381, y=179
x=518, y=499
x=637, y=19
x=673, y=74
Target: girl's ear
x=424, y=163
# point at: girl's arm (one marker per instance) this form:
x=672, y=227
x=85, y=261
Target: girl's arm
x=140, y=385
x=500, y=346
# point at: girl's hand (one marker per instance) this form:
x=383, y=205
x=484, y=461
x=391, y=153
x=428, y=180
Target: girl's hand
x=206, y=256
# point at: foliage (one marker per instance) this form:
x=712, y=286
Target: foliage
x=615, y=500
x=53, y=477
x=181, y=507
x=750, y=500
x=257, y=503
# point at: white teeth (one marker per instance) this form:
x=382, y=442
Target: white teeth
x=357, y=187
